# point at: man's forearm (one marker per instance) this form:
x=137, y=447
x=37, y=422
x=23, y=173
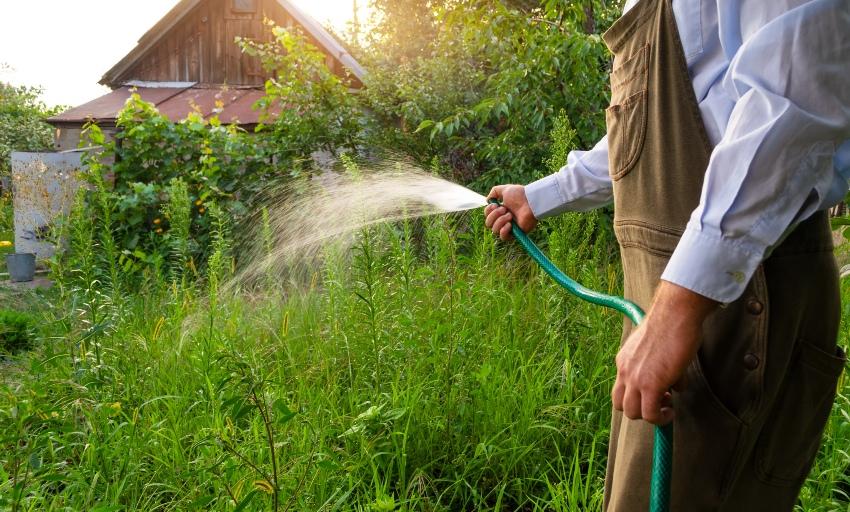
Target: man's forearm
x=654, y=357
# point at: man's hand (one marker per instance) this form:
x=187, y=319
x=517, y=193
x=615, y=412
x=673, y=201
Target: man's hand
x=514, y=207
x=654, y=357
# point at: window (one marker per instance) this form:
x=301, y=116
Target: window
x=244, y=6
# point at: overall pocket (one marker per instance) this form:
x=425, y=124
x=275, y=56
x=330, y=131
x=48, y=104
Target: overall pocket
x=626, y=117
x=626, y=133
x=787, y=448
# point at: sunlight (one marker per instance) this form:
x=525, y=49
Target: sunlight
x=336, y=13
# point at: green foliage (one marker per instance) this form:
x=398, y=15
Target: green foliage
x=488, y=390
x=17, y=331
x=177, y=212
x=406, y=29
x=307, y=106
x=219, y=264
x=147, y=215
x=7, y=228
x=22, y=126
x=7, y=219
x=485, y=99
x=134, y=173
x=563, y=141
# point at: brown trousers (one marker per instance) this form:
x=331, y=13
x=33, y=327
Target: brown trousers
x=749, y=422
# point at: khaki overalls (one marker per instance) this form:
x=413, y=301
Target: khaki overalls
x=749, y=422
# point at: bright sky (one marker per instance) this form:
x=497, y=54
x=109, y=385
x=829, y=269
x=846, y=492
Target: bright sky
x=65, y=46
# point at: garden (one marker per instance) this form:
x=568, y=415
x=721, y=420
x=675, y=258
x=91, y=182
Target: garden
x=424, y=366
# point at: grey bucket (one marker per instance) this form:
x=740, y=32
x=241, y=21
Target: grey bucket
x=21, y=266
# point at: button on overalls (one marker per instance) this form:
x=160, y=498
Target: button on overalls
x=749, y=421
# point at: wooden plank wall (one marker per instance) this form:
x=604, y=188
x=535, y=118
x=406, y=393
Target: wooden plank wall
x=201, y=49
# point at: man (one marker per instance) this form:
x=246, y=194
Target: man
x=728, y=138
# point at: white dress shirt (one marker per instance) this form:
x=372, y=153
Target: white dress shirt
x=772, y=78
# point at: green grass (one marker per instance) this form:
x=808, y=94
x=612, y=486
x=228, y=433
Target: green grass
x=438, y=372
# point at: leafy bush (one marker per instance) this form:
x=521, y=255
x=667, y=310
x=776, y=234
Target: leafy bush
x=7, y=219
x=22, y=126
x=307, y=106
x=486, y=96
x=17, y=331
x=216, y=163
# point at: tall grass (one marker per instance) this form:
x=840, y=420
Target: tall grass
x=433, y=368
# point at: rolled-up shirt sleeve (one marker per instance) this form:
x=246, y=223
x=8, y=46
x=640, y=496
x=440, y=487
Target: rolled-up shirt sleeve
x=581, y=185
x=780, y=158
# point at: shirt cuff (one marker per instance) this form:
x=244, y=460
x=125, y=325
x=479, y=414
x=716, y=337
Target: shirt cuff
x=713, y=267
x=544, y=197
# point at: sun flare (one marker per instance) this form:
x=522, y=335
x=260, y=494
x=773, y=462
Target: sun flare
x=336, y=13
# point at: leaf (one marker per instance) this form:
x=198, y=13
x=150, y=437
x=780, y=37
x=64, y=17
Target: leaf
x=202, y=502
x=246, y=501
x=282, y=412
x=327, y=465
x=424, y=125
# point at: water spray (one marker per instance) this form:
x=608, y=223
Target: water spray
x=662, y=456
x=335, y=208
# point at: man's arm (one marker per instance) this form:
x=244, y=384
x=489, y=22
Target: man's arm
x=654, y=357
x=777, y=160
x=582, y=184
x=774, y=167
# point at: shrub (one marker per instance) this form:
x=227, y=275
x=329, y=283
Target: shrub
x=17, y=331
x=307, y=106
x=214, y=163
x=22, y=126
x=487, y=95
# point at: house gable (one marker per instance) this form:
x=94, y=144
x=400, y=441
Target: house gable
x=194, y=42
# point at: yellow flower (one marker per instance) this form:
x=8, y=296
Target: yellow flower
x=159, y=230
x=202, y=210
x=157, y=221
x=198, y=202
x=5, y=243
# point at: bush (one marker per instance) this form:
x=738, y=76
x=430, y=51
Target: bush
x=307, y=106
x=22, y=126
x=487, y=95
x=215, y=163
x=17, y=331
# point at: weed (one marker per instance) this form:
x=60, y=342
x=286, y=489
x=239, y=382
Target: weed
x=432, y=369
x=17, y=331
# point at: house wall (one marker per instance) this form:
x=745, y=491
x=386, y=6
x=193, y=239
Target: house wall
x=201, y=48
x=68, y=136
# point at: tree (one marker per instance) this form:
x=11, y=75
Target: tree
x=22, y=126
x=489, y=80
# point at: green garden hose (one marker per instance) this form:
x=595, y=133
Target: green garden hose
x=662, y=457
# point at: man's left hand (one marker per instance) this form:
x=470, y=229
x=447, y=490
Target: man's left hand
x=654, y=357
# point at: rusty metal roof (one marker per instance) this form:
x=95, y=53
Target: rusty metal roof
x=232, y=104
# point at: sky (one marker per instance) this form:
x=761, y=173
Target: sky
x=65, y=46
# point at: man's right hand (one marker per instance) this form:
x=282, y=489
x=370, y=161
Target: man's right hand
x=514, y=207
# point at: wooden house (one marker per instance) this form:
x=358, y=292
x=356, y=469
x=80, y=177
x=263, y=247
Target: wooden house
x=190, y=60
